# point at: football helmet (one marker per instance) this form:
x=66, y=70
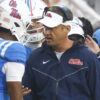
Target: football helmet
x=35, y=31
x=17, y=9
x=15, y=25
x=14, y=15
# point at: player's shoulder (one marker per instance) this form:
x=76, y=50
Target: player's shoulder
x=12, y=50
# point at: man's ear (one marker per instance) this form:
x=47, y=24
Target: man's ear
x=68, y=27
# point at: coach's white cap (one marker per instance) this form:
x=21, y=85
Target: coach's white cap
x=76, y=27
x=51, y=19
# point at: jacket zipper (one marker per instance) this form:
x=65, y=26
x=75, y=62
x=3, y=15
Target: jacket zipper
x=57, y=83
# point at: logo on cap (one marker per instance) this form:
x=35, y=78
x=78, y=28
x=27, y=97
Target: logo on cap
x=48, y=15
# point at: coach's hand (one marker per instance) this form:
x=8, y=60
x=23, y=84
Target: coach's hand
x=25, y=90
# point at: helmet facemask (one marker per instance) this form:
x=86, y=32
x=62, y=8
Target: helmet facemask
x=35, y=30
x=34, y=33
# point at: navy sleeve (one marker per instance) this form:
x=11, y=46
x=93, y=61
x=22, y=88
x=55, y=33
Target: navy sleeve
x=28, y=82
x=99, y=59
x=93, y=77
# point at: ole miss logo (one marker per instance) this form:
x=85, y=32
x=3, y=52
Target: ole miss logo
x=48, y=15
x=13, y=3
x=75, y=62
x=14, y=11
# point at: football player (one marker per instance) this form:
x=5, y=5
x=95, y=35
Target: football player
x=13, y=54
x=34, y=37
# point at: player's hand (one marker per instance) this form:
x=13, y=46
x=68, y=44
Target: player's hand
x=25, y=90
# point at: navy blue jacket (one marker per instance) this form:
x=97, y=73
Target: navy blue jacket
x=76, y=76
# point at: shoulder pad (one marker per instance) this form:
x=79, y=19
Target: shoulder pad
x=12, y=51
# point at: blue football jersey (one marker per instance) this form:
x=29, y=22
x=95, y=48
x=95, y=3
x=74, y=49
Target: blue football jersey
x=28, y=51
x=10, y=51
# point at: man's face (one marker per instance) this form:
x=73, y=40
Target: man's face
x=55, y=36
